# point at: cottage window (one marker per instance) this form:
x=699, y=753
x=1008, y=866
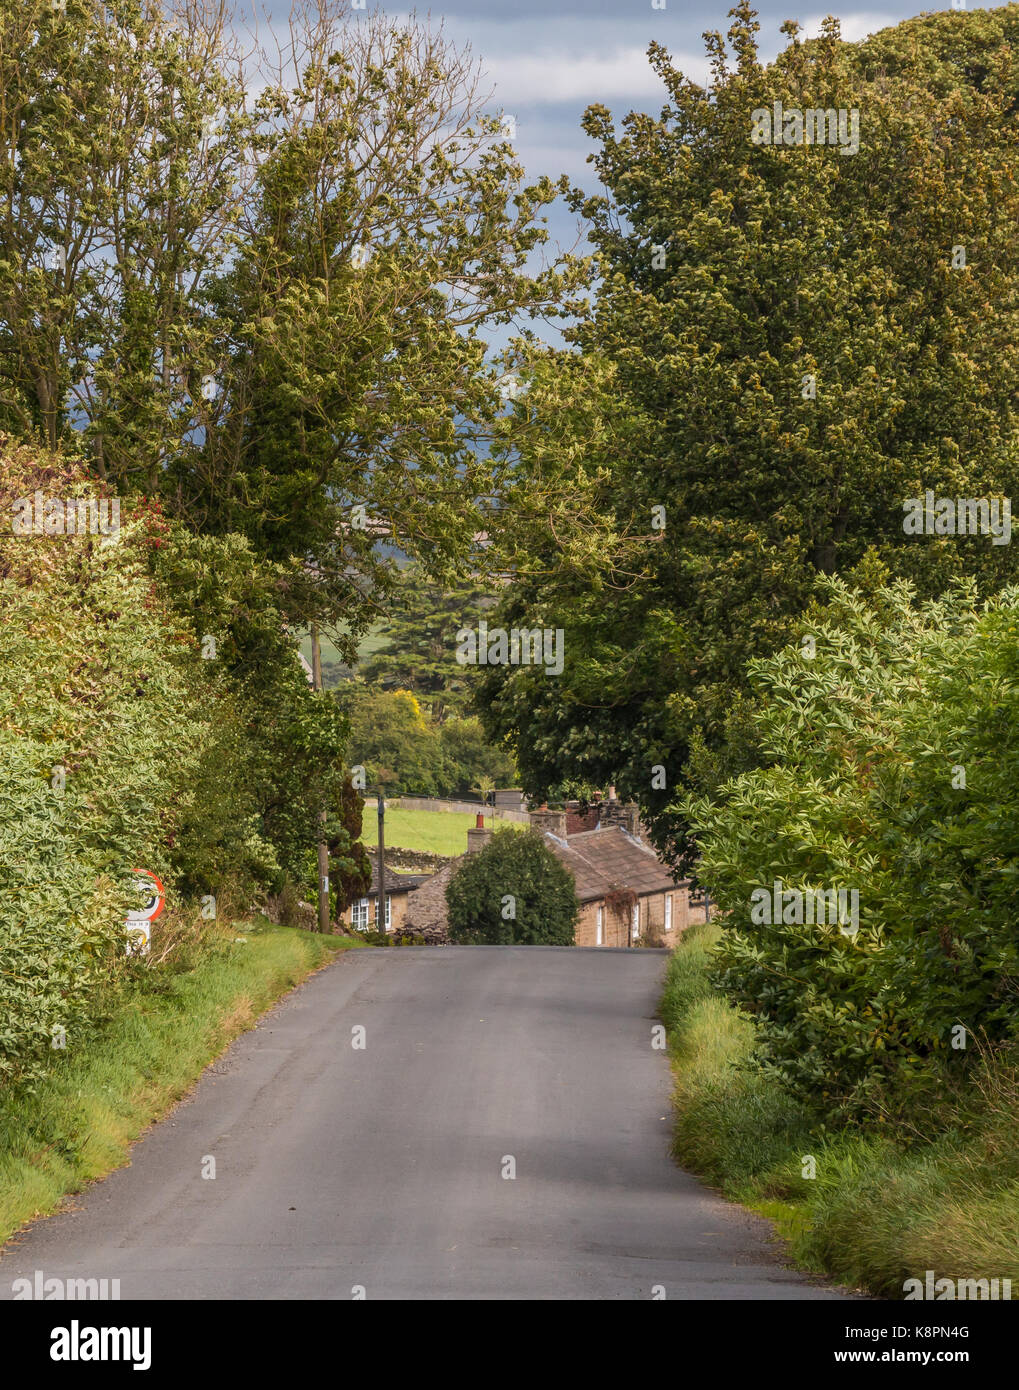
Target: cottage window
x=600, y=938
x=359, y=914
x=635, y=921
x=668, y=912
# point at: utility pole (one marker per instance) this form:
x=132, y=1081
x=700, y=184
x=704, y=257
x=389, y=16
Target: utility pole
x=380, y=911
x=323, y=848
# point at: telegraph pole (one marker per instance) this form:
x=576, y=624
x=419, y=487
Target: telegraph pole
x=380, y=911
x=323, y=848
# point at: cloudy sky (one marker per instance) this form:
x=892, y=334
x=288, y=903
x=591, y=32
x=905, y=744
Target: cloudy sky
x=545, y=60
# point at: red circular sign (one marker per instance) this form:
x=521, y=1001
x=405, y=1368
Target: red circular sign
x=146, y=881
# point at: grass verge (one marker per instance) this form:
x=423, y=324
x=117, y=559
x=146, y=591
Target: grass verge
x=79, y=1122
x=880, y=1209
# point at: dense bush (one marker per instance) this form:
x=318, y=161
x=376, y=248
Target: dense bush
x=135, y=732
x=513, y=892
x=893, y=756
x=99, y=732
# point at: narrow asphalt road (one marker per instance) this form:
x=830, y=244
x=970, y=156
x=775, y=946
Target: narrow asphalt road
x=382, y=1167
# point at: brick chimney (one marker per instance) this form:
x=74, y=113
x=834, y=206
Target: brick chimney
x=552, y=821
x=478, y=836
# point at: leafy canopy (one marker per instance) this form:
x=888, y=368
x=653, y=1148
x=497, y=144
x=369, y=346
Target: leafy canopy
x=781, y=350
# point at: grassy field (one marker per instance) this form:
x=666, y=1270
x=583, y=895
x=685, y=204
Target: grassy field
x=436, y=832
x=879, y=1209
x=81, y=1120
x=368, y=646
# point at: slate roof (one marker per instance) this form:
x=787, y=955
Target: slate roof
x=395, y=883
x=590, y=883
x=601, y=860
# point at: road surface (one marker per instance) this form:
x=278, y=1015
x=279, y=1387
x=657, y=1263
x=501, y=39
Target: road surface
x=385, y=1168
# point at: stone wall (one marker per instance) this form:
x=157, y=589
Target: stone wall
x=417, y=861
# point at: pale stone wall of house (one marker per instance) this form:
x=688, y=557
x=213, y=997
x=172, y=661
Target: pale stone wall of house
x=653, y=914
x=617, y=921
x=397, y=912
x=696, y=913
x=614, y=923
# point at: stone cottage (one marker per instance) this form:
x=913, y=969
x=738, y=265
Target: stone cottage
x=363, y=913
x=627, y=895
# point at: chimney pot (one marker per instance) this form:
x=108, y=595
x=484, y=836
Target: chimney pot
x=478, y=835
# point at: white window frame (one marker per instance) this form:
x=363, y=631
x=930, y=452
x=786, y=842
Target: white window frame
x=389, y=911
x=668, y=912
x=599, y=939
x=359, y=914
x=635, y=921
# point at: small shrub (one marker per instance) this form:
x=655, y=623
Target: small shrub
x=513, y=892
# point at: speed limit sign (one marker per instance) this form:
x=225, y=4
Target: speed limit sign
x=139, y=920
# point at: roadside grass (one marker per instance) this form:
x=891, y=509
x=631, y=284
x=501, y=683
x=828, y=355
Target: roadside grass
x=435, y=832
x=79, y=1122
x=880, y=1210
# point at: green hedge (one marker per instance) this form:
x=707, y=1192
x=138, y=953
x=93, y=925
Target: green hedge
x=890, y=743
x=98, y=732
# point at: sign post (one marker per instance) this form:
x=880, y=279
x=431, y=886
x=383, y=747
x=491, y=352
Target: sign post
x=139, y=920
